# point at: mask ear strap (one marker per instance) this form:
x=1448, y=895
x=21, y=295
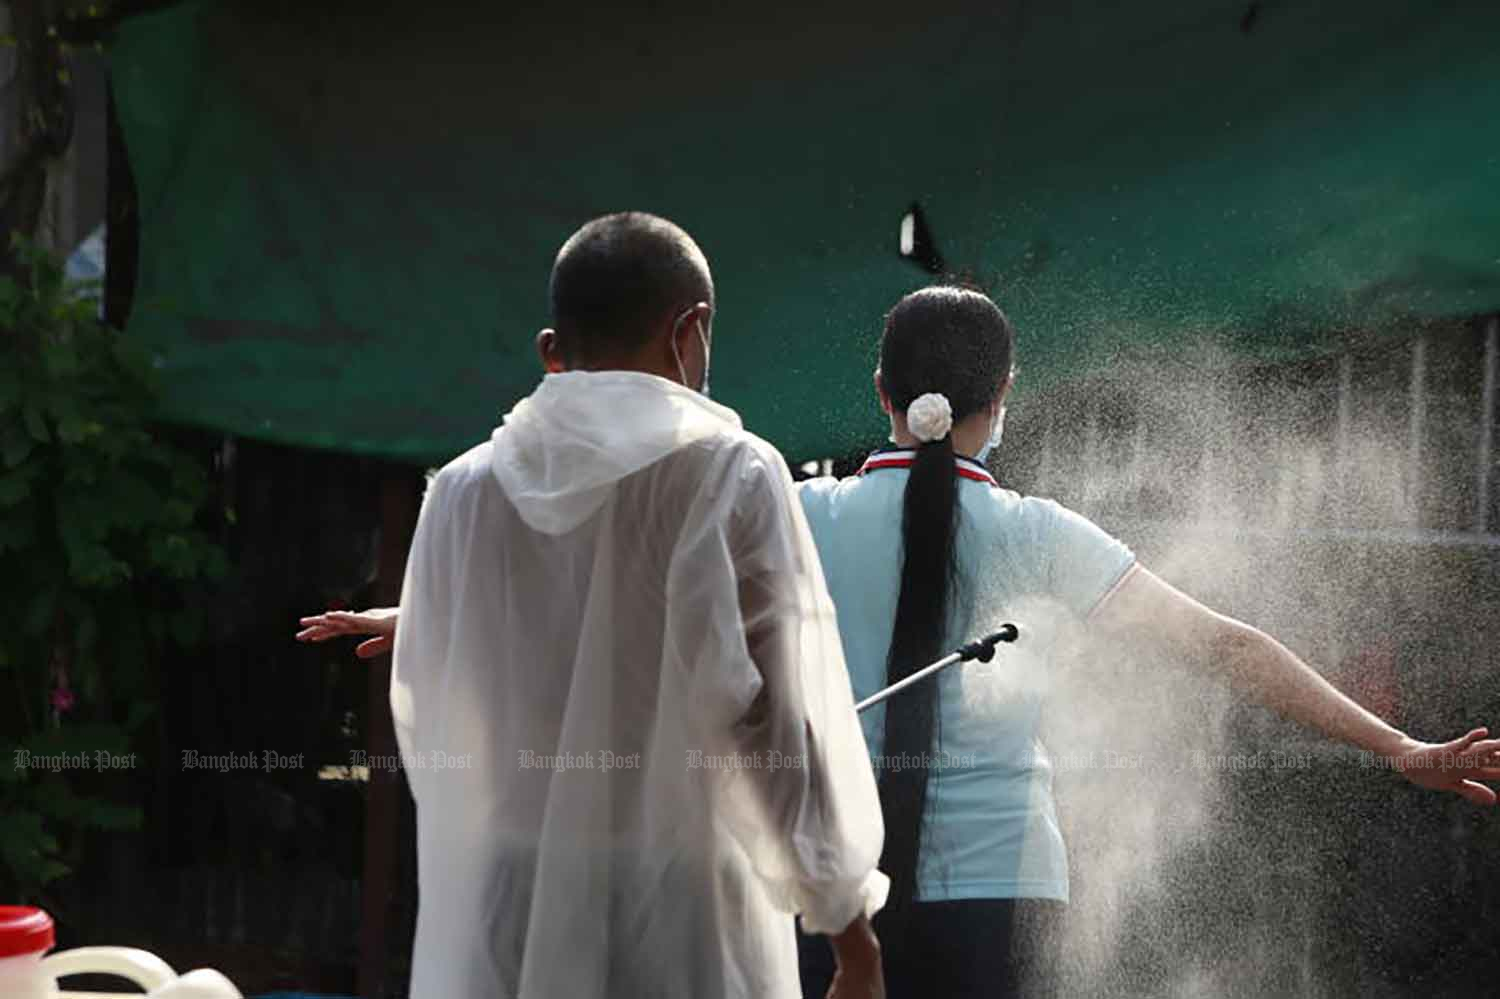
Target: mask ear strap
x=676, y=354
x=702, y=335
x=707, y=353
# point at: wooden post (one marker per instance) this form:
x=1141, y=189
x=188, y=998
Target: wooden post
x=1486, y=456
x=1094, y=486
x=1416, y=429
x=123, y=224
x=400, y=499
x=1343, y=439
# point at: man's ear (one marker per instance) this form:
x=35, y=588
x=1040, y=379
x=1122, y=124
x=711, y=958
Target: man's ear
x=885, y=400
x=547, y=350
x=683, y=343
x=688, y=324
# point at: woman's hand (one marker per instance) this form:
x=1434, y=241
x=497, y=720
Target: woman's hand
x=1145, y=608
x=377, y=621
x=1456, y=766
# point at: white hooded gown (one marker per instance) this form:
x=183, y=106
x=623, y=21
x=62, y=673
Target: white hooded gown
x=623, y=709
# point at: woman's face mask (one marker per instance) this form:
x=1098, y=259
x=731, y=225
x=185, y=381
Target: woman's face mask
x=997, y=430
x=703, y=336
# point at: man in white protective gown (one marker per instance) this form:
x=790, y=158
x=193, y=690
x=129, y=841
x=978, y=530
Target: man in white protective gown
x=618, y=680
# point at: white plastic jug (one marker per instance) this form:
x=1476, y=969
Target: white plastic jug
x=26, y=935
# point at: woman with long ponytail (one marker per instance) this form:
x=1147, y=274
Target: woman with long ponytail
x=966, y=788
x=905, y=599
x=944, y=360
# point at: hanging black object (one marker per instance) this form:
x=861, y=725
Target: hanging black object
x=916, y=243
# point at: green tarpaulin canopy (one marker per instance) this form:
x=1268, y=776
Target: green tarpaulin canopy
x=349, y=210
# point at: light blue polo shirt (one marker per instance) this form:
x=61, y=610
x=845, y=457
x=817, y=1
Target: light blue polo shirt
x=992, y=829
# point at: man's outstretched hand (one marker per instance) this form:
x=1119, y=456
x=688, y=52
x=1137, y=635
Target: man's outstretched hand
x=377, y=621
x=1456, y=766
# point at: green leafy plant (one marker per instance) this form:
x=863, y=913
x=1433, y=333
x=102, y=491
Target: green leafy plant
x=100, y=550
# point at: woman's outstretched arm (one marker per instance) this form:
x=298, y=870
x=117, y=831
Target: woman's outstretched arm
x=1145, y=608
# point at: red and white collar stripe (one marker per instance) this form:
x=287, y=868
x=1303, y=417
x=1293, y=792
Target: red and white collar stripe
x=967, y=468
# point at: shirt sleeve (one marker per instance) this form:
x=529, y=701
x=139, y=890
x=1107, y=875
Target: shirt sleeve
x=814, y=495
x=421, y=644
x=1086, y=563
x=812, y=826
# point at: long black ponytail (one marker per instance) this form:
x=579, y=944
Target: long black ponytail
x=957, y=342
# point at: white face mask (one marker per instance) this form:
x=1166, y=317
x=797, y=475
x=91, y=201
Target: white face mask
x=682, y=371
x=997, y=430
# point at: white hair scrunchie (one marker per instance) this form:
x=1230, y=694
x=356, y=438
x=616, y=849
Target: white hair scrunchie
x=929, y=417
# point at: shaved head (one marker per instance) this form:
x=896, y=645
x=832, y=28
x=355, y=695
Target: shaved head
x=617, y=280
